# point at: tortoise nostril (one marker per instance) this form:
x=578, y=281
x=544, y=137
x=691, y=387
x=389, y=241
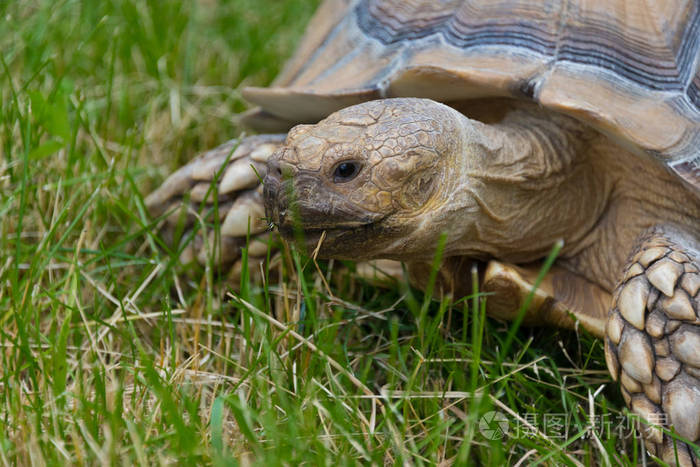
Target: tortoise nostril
x=277, y=171
x=280, y=169
x=273, y=168
x=285, y=170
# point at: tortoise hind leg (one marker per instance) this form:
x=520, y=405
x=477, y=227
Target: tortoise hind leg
x=652, y=342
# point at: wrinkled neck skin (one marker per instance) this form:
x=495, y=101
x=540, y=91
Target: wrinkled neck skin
x=513, y=189
x=530, y=185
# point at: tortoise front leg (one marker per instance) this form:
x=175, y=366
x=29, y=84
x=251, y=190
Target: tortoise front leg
x=652, y=343
x=563, y=299
x=228, y=178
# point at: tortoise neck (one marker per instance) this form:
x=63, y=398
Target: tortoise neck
x=524, y=185
x=537, y=177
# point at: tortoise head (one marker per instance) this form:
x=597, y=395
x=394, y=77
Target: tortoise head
x=366, y=175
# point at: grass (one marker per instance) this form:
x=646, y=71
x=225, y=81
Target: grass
x=113, y=353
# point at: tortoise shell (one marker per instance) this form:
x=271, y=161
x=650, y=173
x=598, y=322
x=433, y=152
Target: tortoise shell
x=629, y=68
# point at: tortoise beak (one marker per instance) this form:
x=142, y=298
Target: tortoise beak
x=303, y=202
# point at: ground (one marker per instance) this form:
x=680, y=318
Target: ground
x=112, y=352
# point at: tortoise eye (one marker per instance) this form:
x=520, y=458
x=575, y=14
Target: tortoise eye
x=346, y=171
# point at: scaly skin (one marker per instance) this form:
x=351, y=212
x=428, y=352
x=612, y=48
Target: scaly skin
x=652, y=343
x=427, y=171
x=187, y=198
x=507, y=191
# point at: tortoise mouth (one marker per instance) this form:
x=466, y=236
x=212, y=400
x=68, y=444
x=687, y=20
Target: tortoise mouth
x=290, y=232
x=303, y=208
x=341, y=241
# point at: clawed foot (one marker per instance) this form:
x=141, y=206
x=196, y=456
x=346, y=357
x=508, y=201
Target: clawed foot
x=222, y=186
x=653, y=344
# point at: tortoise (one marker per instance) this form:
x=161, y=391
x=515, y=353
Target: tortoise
x=503, y=127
